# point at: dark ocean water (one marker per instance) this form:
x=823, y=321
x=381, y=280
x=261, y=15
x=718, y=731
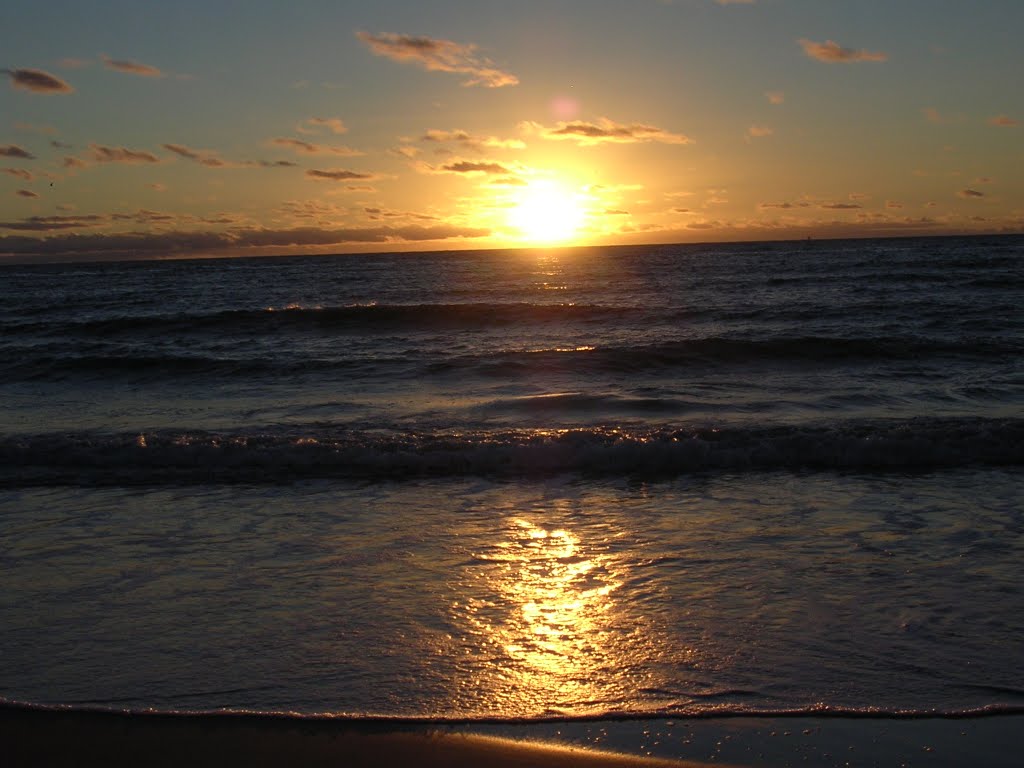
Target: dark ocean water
x=646, y=480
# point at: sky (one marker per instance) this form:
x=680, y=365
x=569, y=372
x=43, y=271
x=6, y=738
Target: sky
x=216, y=128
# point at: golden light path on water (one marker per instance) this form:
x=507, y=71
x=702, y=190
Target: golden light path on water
x=543, y=606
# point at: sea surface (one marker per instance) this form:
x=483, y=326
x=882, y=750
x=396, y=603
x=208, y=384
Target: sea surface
x=648, y=481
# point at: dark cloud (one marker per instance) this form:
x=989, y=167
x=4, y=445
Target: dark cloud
x=338, y=175
x=18, y=173
x=841, y=206
x=273, y=163
x=13, y=150
x=73, y=162
x=971, y=193
x=203, y=157
x=26, y=193
x=156, y=245
x=468, y=166
x=131, y=67
x=1003, y=121
x=37, y=81
x=604, y=131
x=305, y=147
x=53, y=223
x=467, y=139
x=439, y=56
x=830, y=51
x=103, y=154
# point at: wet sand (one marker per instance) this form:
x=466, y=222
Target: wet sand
x=37, y=737
x=32, y=736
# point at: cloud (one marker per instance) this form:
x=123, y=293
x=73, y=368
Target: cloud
x=314, y=124
x=893, y=204
x=735, y=2
x=832, y=52
x=967, y=194
x=203, y=157
x=37, y=81
x=271, y=163
x=775, y=97
x=13, y=150
x=1003, y=121
x=73, y=162
x=338, y=175
x=759, y=131
x=468, y=166
x=103, y=154
x=68, y=246
x=131, y=67
x=304, y=147
x=438, y=55
x=604, y=131
x=53, y=223
x=26, y=193
x=472, y=141
x=841, y=206
x=20, y=173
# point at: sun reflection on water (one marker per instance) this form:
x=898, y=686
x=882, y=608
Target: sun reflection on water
x=545, y=603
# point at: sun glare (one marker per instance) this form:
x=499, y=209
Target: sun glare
x=546, y=212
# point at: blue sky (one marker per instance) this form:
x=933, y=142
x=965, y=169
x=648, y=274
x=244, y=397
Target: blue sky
x=261, y=127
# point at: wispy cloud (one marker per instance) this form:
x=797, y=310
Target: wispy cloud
x=1003, y=121
x=156, y=244
x=131, y=67
x=19, y=173
x=26, y=193
x=37, y=81
x=305, y=147
x=841, y=206
x=775, y=97
x=13, y=150
x=471, y=167
x=469, y=140
x=438, y=55
x=316, y=124
x=339, y=174
x=969, y=194
x=201, y=156
x=830, y=51
x=102, y=154
x=604, y=131
x=759, y=131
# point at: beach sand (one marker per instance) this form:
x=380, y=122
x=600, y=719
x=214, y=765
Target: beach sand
x=38, y=737
x=32, y=736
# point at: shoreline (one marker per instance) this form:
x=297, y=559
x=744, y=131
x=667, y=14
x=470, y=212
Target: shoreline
x=57, y=736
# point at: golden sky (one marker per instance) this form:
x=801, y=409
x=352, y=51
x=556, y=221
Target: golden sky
x=144, y=129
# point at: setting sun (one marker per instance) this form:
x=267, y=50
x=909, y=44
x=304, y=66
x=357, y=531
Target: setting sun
x=547, y=212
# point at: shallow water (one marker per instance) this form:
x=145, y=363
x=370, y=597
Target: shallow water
x=674, y=479
x=754, y=592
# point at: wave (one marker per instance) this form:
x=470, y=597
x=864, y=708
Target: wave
x=89, y=458
x=362, y=318
x=52, y=361
x=731, y=351
x=371, y=720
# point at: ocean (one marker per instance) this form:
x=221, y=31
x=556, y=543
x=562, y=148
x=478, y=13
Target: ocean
x=644, y=481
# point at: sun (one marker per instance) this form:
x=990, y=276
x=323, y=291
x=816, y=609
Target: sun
x=546, y=212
